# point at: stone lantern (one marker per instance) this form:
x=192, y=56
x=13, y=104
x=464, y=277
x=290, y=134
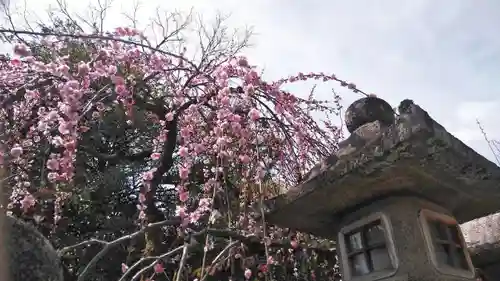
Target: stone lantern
x=393, y=196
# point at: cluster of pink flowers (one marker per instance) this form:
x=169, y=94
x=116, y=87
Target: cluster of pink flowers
x=235, y=121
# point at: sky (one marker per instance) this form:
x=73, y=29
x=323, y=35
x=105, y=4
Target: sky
x=444, y=55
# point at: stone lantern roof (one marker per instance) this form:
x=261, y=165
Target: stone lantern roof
x=389, y=154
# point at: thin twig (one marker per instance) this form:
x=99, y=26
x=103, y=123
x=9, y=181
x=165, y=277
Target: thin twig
x=109, y=245
x=182, y=262
x=497, y=158
x=98, y=37
x=157, y=259
x=217, y=258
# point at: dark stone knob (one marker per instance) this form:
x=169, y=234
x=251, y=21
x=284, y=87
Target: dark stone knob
x=367, y=110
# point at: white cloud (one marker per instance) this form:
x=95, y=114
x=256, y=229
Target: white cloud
x=445, y=55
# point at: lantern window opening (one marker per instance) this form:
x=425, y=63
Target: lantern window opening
x=367, y=248
x=445, y=244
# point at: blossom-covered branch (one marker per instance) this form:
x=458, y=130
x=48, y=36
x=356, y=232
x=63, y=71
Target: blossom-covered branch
x=205, y=121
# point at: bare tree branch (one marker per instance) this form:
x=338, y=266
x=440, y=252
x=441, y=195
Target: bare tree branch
x=109, y=245
x=143, y=259
x=221, y=233
x=99, y=37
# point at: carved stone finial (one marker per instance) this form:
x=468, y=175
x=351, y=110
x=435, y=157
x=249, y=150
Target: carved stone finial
x=367, y=110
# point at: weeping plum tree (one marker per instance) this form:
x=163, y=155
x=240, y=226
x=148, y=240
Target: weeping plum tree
x=193, y=119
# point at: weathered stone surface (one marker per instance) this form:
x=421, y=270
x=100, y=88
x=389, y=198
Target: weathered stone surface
x=367, y=110
x=483, y=239
x=484, y=230
x=356, y=140
x=413, y=155
x=31, y=256
x=409, y=244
